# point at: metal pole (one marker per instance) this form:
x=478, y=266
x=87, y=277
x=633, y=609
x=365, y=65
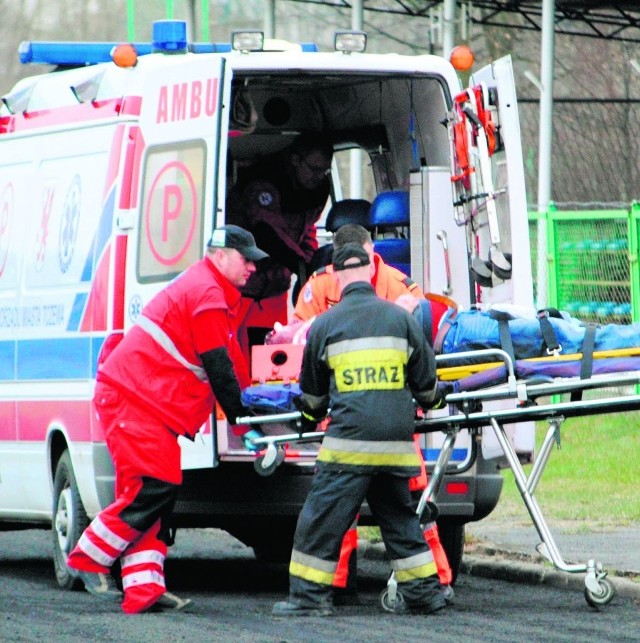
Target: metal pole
x=449, y=28
x=355, y=157
x=270, y=19
x=546, y=137
x=192, y=31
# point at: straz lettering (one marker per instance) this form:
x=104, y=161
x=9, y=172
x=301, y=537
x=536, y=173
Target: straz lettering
x=187, y=101
x=371, y=375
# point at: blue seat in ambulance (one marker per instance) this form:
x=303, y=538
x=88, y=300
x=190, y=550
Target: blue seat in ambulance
x=389, y=226
x=340, y=213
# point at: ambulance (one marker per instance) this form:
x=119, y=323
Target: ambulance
x=114, y=169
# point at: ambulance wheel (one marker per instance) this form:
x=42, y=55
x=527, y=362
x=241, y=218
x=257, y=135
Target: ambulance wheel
x=604, y=597
x=69, y=521
x=268, y=470
x=391, y=606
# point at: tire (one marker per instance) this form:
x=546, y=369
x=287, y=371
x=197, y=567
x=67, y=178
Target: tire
x=69, y=521
x=397, y=607
x=452, y=539
x=604, y=597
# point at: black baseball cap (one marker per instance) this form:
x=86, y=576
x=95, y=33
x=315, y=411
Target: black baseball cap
x=233, y=236
x=350, y=251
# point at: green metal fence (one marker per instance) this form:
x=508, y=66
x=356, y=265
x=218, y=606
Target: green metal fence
x=590, y=262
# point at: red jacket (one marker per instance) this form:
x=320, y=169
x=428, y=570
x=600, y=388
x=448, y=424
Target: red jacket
x=157, y=364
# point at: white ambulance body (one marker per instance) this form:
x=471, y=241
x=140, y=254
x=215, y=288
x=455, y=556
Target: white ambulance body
x=111, y=180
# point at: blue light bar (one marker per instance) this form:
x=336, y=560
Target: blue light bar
x=71, y=53
x=169, y=36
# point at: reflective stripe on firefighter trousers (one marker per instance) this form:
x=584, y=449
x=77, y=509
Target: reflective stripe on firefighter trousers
x=414, y=567
x=312, y=568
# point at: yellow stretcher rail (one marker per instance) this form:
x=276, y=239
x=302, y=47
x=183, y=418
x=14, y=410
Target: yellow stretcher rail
x=448, y=373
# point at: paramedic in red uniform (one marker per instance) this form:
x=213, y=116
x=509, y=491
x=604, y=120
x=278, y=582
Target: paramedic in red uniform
x=279, y=200
x=320, y=293
x=366, y=359
x=161, y=382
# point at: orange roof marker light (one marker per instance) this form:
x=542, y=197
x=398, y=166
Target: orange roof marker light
x=462, y=58
x=124, y=55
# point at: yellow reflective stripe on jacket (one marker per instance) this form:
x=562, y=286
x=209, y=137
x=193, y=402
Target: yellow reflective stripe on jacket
x=368, y=453
x=414, y=567
x=312, y=568
x=369, y=363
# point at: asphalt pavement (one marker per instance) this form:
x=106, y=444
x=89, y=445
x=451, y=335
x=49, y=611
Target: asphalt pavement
x=504, y=548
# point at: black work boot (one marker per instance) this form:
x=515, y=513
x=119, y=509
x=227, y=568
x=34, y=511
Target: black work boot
x=435, y=604
x=171, y=602
x=294, y=607
x=101, y=585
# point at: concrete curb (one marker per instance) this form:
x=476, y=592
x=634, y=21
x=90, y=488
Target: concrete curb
x=514, y=569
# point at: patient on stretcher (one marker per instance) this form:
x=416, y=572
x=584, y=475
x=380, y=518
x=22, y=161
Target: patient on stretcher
x=531, y=334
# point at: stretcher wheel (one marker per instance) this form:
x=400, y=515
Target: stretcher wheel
x=391, y=606
x=262, y=470
x=604, y=597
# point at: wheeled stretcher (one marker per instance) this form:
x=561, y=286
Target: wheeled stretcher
x=524, y=404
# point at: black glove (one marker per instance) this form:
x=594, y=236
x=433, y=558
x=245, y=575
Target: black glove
x=307, y=422
x=443, y=389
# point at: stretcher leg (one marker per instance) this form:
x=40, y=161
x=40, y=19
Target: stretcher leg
x=598, y=589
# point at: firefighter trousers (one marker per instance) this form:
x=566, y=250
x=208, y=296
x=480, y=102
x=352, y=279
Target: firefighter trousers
x=331, y=506
x=146, y=458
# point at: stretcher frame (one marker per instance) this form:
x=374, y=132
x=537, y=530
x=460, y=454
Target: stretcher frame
x=465, y=414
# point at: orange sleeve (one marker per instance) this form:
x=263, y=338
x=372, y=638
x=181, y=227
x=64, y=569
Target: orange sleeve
x=315, y=297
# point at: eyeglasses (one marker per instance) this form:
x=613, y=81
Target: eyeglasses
x=315, y=169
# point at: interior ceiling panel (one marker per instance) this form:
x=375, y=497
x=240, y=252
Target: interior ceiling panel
x=612, y=21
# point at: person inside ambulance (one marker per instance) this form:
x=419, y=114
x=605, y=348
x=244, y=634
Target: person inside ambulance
x=319, y=294
x=160, y=382
x=280, y=199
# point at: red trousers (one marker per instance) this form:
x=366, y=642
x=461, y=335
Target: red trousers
x=146, y=457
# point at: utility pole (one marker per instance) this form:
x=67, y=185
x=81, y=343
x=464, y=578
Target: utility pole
x=545, y=144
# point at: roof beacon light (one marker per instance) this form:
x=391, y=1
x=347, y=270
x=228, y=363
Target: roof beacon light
x=170, y=36
x=247, y=41
x=350, y=41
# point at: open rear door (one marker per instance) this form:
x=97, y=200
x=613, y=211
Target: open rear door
x=495, y=85
x=178, y=146
x=488, y=186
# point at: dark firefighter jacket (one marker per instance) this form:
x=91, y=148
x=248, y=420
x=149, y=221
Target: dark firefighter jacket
x=366, y=358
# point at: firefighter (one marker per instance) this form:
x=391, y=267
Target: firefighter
x=280, y=199
x=366, y=359
x=320, y=293
x=160, y=382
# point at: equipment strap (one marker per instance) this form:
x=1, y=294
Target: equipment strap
x=506, y=343
x=548, y=334
x=586, y=365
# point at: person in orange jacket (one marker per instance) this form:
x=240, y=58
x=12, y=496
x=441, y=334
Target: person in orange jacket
x=319, y=294
x=322, y=290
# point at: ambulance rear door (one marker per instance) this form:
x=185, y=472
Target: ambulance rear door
x=178, y=140
x=507, y=177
